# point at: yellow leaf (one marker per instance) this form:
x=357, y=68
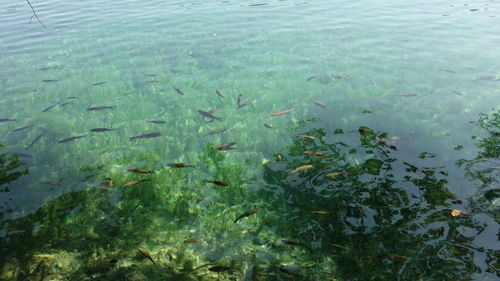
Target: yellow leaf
x=455, y=213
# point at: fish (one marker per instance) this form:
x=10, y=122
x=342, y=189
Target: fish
x=316, y=153
x=226, y=146
x=485, y=78
x=288, y=242
x=447, y=70
x=99, y=130
x=179, y=91
x=218, y=131
x=219, y=94
x=151, y=81
x=99, y=107
x=288, y=271
x=50, y=80
x=99, y=83
x=320, y=212
x=268, y=126
x=108, y=183
x=334, y=175
x=306, y=137
x=51, y=183
x=44, y=68
x=147, y=136
x=7, y=120
x=238, y=101
x=50, y=107
x=190, y=241
x=152, y=75
x=139, y=171
x=373, y=82
x=346, y=74
x=395, y=256
x=35, y=140
x=180, y=165
x=146, y=255
x=71, y=139
x=320, y=104
x=157, y=122
x=131, y=183
x=245, y=104
x=407, y=95
x=66, y=103
x=457, y=93
x=246, y=214
x=22, y=128
x=219, y=183
x=208, y=114
x=279, y=113
x=219, y=268
x=311, y=78
x=72, y=97
x=302, y=168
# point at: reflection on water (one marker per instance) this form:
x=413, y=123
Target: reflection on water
x=334, y=205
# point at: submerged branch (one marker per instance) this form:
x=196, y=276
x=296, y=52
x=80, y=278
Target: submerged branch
x=34, y=14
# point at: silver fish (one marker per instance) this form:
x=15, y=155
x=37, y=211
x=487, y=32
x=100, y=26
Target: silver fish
x=146, y=136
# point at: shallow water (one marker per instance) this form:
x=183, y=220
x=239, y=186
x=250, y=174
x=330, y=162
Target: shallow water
x=422, y=72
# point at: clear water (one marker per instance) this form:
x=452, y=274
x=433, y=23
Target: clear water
x=420, y=71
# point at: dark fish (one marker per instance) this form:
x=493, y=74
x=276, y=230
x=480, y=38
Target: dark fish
x=50, y=80
x=44, y=68
x=457, y=93
x=152, y=75
x=219, y=183
x=131, y=183
x=99, y=83
x=51, y=183
x=66, y=103
x=180, y=165
x=71, y=139
x=219, y=94
x=219, y=268
x=485, y=78
x=6, y=120
x=99, y=130
x=288, y=242
x=226, y=146
x=216, y=132
x=246, y=214
x=238, y=100
x=139, y=171
x=145, y=254
x=24, y=155
x=268, y=126
x=407, y=95
x=22, y=128
x=157, y=122
x=320, y=104
x=209, y=115
x=447, y=70
x=245, y=104
x=35, y=140
x=50, y=107
x=99, y=107
x=147, y=136
x=72, y=97
x=311, y=78
x=190, y=241
x=179, y=91
x=288, y=271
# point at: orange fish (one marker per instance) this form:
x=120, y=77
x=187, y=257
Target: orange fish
x=139, y=171
x=301, y=169
x=283, y=112
x=306, y=137
x=135, y=182
x=334, y=175
x=320, y=213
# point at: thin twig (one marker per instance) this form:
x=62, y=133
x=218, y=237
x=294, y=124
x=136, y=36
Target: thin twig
x=34, y=14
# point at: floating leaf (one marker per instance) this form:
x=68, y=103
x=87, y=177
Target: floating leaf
x=373, y=166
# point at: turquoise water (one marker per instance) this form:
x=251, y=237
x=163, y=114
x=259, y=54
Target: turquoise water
x=420, y=72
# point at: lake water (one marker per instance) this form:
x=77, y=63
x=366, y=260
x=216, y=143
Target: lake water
x=367, y=140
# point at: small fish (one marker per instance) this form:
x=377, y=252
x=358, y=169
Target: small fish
x=99, y=83
x=245, y=104
x=146, y=255
x=346, y=74
x=268, y=126
x=316, y=153
x=151, y=81
x=447, y=70
x=302, y=168
x=99, y=107
x=288, y=242
x=226, y=146
x=306, y=137
x=394, y=256
x=146, y=136
x=320, y=212
x=22, y=128
x=135, y=182
x=190, y=241
x=139, y=171
x=107, y=184
x=71, y=139
x=152, y=75
x=334, y=175
x=49, y=108
x=219, y=94
x=179, y=91
x=99, y=130
x=311, y=78
x=50, y=80
x=373, y=82
x=317, y=102
x=7, y=120
x=44, y=68
x=157, y=122
x=180, y=165
x=51, y=183
x=288, y=271
x=218, y=131
x=35, y=140
x=246, y=214
x=219, y=183
x=457, y=93
x=238, y=101
x=24, y=155
x=72, y=97
x=283, y=112
x=407, y=95
x=485, y=78
x=219, y=268
x=66, y=103
x=208, y=114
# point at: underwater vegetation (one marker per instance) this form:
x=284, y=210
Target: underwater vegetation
x=332, y=205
